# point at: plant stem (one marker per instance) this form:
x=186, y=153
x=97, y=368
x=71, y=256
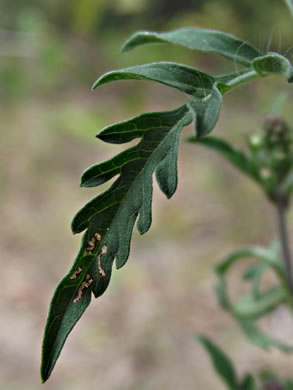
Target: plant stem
x=283, y=233
x=243, y=78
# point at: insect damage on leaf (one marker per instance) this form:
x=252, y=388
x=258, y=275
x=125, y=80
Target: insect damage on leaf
x=101, y=253
x=91, y=245
x=84, y=285
x=76, y=273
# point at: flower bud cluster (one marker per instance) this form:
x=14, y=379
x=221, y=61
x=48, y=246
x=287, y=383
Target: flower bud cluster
x=272, y=151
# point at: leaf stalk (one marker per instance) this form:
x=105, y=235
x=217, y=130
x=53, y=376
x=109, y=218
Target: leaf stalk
x=242, y=78
x=281, y=208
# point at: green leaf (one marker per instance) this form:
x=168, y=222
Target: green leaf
x=204, y=40
x=115, y=211
x=205, y=111
x=184, y=78
x=235, y=156
x=65, y=310
x=255, y=274
x=255, y=305
x=248, y=383
x=273, y=63
x=258, y=337
x=221, y=362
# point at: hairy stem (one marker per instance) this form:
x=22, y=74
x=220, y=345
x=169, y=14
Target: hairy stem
x=283, y=233
x=243, y=78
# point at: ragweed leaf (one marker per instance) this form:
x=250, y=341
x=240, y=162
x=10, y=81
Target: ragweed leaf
x=182, y=77
x=204, y=40
x=130, y=197
x=110, y=217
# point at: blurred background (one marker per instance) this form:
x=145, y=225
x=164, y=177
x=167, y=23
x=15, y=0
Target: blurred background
x=140, y=334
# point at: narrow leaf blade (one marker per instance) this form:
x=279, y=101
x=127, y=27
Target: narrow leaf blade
x=221, y=362
x=204, y=40
x=248, y=383
x=182, y=77
x=234, y=156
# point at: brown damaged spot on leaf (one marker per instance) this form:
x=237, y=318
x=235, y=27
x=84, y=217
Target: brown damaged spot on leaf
x=102, y=252
x=91, y=245
x=76, y=273
x=84, y=285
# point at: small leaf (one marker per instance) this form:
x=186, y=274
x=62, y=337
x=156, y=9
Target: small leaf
x=208, y=41
x=253, y=306
x=235, y=156
x=254, y=274
x=274, y=63
x=205, y=111
x=184, y=78
x=221, y=362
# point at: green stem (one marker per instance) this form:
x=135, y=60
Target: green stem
x=283, y=233
x=243, y=78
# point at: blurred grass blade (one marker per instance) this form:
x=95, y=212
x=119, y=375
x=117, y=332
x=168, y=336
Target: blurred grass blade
x=248, y=383
x=182, y=77
x=273, y=63
x=235, y=156
x=221, y=362
x=204, y=40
